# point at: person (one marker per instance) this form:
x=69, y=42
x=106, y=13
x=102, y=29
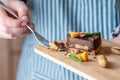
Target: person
x=53, y=19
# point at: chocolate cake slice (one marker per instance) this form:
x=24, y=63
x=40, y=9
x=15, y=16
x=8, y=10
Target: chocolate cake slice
x=90, y=42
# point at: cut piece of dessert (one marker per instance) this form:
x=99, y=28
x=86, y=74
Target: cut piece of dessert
x=90, y=42
x=59, y=46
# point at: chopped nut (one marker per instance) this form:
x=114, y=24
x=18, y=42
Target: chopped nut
x=73, y=50
x=115, y=50
x=82, y=35
x=84, y=47
x=53, y=46
x=71, y=45
x=102, y=61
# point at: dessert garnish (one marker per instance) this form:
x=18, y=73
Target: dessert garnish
x=75, y=58
x=80, y=57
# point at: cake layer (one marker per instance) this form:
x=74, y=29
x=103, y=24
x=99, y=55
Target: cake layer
x=88, y=42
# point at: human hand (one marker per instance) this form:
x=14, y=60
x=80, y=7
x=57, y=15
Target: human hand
x=116, y=39
x=11, y=28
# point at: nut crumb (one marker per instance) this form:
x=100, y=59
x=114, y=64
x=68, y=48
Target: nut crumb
x=115, y=50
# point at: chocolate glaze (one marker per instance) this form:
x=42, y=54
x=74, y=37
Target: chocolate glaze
x=92, y=42
x=60, y=45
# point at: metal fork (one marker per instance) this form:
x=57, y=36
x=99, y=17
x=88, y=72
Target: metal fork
x=37, y=36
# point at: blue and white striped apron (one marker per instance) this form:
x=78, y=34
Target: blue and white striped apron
x=53, y=20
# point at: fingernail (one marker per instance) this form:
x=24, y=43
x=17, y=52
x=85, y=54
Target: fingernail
x=23, y=23
x=25, y=18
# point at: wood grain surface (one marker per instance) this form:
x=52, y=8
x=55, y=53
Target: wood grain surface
x=90, y=69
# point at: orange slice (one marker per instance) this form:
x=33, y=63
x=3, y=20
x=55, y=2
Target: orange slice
x=75, y=34
x=84, y=56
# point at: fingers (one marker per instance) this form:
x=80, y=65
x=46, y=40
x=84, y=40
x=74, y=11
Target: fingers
x=11, y=28
x=8, y=30
x=13, y=23
x=21, y=9
x=6, y=36
x=27, y=32
x=9, y=21
x=9, y=36
x=14, y=33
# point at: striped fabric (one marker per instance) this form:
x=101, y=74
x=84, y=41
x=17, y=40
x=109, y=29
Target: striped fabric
x=54, y=19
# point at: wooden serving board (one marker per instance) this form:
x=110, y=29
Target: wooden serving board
x=90, y=69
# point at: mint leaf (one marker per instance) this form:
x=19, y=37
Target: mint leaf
x=75, y=58
x=91, y=34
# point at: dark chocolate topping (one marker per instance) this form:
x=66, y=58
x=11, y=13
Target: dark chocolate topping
x=60, y=45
